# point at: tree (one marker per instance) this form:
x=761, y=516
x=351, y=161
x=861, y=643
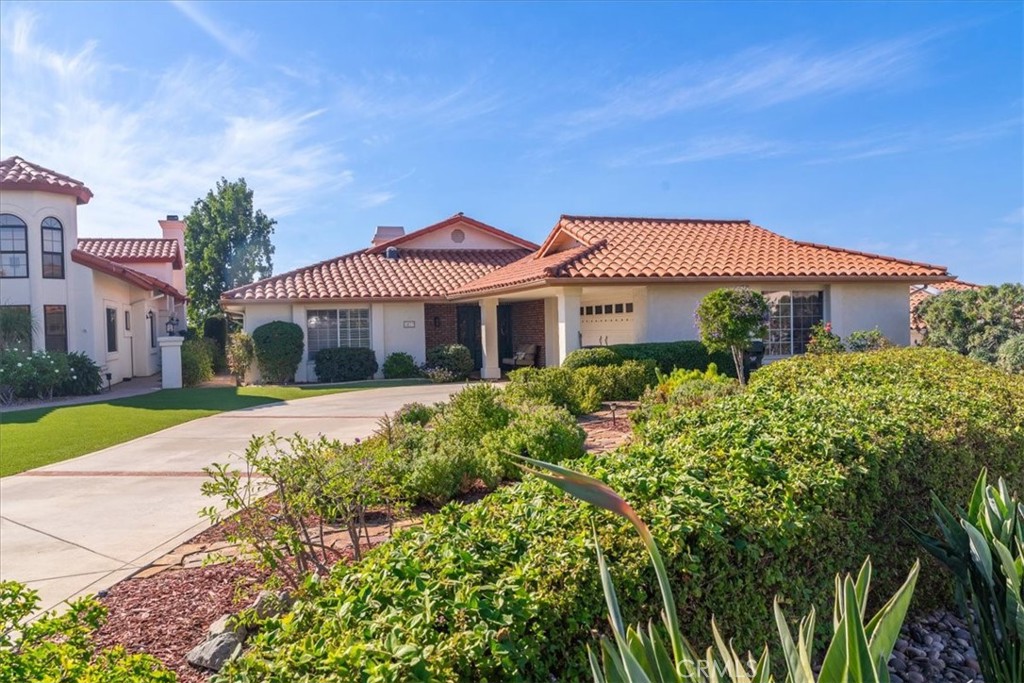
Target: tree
x=729, y=319
x=974, y=322
x=227, y=245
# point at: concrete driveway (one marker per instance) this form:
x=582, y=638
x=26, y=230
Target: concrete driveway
x=81, y=525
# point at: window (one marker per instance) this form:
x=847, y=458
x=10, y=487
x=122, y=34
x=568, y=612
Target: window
x=792, y=315
x=331, y=328
x=13, y=246
x=56, y=324
x=16, y=327
x=152, y=329
x=53, y=249
x=111, y=330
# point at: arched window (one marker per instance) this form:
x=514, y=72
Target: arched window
x=53, y=249
x=13, y=246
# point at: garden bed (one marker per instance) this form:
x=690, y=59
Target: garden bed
x=165, y=609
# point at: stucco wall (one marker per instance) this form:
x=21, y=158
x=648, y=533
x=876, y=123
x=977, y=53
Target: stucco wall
x=670, y=310
x=442, y=239
x=398, y=336
x=857, y=306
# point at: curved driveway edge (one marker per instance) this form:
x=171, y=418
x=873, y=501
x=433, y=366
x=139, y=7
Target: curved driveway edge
x=81, y=525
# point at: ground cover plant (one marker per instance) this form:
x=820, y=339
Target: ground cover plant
x=60, y=647
x=772, y=491
x=27, y=435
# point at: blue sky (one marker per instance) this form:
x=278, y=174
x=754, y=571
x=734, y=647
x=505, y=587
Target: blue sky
x=894, y=128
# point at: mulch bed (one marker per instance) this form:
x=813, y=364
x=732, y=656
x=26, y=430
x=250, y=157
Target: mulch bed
x=168, y=614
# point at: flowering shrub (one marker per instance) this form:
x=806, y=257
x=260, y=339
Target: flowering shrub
x=823, y=339
x=83, y=377
x=46, y=374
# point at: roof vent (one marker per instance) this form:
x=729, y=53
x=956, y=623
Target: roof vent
x=391, y=253
x=172, y=217
x=386, y=233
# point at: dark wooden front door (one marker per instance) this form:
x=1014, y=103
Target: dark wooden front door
x=468, y=323
x=505, y=349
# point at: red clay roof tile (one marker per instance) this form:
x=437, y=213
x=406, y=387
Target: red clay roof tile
x=133, y=250
x=623, y=248
x=18, y=174
x=122, y=272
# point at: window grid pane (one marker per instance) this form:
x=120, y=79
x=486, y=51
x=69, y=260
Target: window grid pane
x=13, y=246
x=321, y=330
x=111, y=330
x=56, y=328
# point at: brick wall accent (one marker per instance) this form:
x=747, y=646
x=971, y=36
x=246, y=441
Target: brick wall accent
x=528, y=326
x=447, y=333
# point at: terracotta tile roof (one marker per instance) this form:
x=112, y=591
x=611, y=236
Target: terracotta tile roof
x=364, y=275
x=18, y=174
x=609, y=248
x=122, y=272
x=918, y=293
x=452, y=220
x=146, y=250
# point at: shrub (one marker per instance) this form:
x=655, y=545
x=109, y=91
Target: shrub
x=729, y=319
x=241, y=352
x=16, y=328
x=49, y=371
x=60, y=647
x=543, y=386
x=867, y=340
x=1011, y=354
x=687, y=355
x=15, y=375
x=974, y=322
x=597, y=357
x=196, y=361
x=83, y=376
x=439, y=375
x=415, y=413
x=279, y=347
x=539, y=431
x=583, y=390
x=681, y=390
x=345, y=364
x=769, y=491
x=400, y=365
x=455, y=358
x=823, y=339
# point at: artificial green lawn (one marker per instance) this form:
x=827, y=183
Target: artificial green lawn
x=40, y=436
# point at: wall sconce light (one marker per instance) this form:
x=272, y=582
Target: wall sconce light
x=149, y=315
x=171, y=325
x=437, y=321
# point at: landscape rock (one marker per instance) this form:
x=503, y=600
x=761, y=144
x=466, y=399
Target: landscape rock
x=226, y=624
x=271, y=604
x=215, y=652
x=934, y=647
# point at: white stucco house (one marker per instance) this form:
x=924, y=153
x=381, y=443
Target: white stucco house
x=594, y=281
x=108, y=298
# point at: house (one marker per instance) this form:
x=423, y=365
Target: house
x=595, y=280
x=108, y=298
x=919, y=293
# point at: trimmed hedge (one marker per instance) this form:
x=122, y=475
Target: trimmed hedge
x=668, y=356
x=583, y=390
x=400, y=365
x=197, y=361
x=279, y=347
x=344, y=364
x=599, y=357
x=773, y=490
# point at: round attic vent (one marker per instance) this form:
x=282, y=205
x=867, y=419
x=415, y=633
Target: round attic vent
x=458, y=236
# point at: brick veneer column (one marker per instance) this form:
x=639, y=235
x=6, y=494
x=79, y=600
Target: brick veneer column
x=447, y=332
x=528, y=326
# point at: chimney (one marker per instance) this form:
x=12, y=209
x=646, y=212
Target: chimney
x=174, y=229
x=386, y=233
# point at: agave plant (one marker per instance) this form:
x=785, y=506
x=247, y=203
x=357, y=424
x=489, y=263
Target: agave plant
x=858, y=652
x=985, y=552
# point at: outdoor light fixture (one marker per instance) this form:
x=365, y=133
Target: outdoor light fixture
x=437, y=321
x=172, y=323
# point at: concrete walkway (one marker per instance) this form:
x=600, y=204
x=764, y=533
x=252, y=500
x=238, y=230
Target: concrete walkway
x=81, y=525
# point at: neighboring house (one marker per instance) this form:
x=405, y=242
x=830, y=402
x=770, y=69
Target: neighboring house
x=918, y=293
x=594, y=281
x=107, y=298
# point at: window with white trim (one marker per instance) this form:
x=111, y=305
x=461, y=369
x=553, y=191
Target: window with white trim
x=793, y=313
x=332, y=328
x=53, y=249
x=13, y=246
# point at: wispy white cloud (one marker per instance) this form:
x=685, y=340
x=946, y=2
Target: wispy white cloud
x=701, y=148
x=754, y=78
x=155, y=153
x=238, y=43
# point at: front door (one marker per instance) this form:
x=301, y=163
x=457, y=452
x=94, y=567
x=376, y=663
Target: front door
x=468, y=332
x=505, y=349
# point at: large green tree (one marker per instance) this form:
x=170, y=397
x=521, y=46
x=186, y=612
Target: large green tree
x=974, y=322
x=227, y=244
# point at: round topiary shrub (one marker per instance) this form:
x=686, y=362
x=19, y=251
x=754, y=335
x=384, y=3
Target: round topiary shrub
x=279, y=347
x=1011, y=354
x=345, y=364
x=400, y=365
x=585, y=358
x=455, y=358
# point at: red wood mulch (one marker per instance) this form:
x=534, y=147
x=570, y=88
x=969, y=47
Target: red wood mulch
x=167, y=615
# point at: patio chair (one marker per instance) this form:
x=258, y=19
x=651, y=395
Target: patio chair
x=524, y=357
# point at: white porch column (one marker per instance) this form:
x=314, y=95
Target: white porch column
x=377, y=337
x=170, y=361
x=489, y=338
x=568, y=304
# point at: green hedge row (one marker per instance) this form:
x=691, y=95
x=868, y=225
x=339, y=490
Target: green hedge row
x=770, y=491
x=685, y=355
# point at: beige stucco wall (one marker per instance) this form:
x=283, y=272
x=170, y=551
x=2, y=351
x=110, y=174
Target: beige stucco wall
x=442, y=239
x=863, y=306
